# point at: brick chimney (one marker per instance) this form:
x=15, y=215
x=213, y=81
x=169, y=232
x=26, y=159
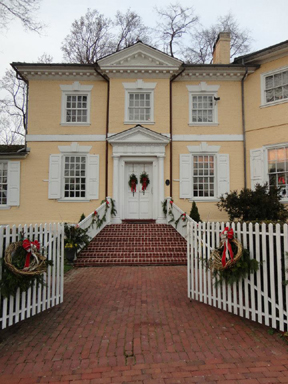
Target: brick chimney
x=221, y=49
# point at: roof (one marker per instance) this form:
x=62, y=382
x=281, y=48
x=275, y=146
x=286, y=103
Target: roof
x=257, y=57
x=13, y=151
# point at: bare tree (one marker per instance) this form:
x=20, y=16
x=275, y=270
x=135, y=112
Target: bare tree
x=177, y=21
x=12, y=107
x=131, y=29
x=89, y=39
x=23, y=10
x=203, y=40
x=45, y=58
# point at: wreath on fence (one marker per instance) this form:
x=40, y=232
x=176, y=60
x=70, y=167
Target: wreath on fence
x=230, y=262
x=23, y=266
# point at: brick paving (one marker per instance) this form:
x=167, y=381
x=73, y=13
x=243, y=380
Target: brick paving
x=136, y=325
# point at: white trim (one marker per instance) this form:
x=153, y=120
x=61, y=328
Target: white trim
x=74, y=148
x=44, y=138
x=139, y=86
x=75, y=89
x=264, y=104
x=203, y=89
x=203, y=148
x=206, y=137
x=206, y=124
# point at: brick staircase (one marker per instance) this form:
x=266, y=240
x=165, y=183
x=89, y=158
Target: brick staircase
x=135, y=244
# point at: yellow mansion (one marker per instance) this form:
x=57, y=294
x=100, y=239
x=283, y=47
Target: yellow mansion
x=198, y=131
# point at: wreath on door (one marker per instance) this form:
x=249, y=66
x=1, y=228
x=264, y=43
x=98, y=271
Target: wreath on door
x=133, y=181
x=144, y=181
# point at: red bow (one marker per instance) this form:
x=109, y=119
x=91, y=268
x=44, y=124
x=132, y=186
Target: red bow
x=226, y=236
x=144, y=184
x=30, y=247
x=133, y=186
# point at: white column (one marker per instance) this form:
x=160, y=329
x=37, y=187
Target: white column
x=116, y=188
x=161, y=217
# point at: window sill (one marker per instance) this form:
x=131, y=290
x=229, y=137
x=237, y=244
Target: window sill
x=4, y=207
x=75, y=124
x=73, y=201
x=274, y=103
x=139, y=122
x=203, y=124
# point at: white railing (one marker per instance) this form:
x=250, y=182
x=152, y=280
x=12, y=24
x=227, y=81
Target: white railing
x=176, y=213
x=37, y=299
x=87, y=222
x=262, y=296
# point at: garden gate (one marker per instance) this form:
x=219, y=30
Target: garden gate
x=262, y=296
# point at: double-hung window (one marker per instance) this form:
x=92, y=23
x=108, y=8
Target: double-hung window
x=75, y=104
x=203, y=176
x=9, y=184
x=139, y=102
x=204, y=173
x=278, y=168
x=275, y=87
x=74, y=177
x=203, y=108
x=3, y=183
x=74, y=174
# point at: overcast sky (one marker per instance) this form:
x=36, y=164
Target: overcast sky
x=266, y=19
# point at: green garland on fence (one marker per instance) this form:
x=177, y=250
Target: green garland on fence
x=183, y=216
x=100, y=221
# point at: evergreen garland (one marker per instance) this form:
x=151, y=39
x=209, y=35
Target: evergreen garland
x=184, y=219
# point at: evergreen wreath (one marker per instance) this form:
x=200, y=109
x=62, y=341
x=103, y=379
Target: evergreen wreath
x=133, y=181
x=18, y=271
x=237, y=267
x=144, y=181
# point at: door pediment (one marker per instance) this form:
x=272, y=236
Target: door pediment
x=138, y=135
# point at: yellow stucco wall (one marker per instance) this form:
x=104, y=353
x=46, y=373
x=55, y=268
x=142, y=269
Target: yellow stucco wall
x=117, y=105
x=44, y=113
x=35, y=207
x=229, y=109
x=265, y=125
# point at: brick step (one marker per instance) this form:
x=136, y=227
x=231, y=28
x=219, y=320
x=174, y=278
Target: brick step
x=135, y=244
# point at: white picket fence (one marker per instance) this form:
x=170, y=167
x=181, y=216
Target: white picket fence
x=36, y=299
x=263, y=296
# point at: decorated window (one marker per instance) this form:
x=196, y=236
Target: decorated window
x=75, y=177
x=203, y=104
x=3, y=183
x=75, y=104
x=203, y=176
x=139, y=102
x=278, y=168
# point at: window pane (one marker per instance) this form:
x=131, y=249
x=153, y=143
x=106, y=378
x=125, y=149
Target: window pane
x=278, y=80
x=269, y=82
x=73, y=183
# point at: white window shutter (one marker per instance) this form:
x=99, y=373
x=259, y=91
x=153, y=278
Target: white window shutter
x=257, y=167
x=223, y=174
x=185, y=176
x=13, y=183
x=93, y=177
x=54, y=191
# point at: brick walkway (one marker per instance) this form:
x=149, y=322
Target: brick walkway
x=136, y=325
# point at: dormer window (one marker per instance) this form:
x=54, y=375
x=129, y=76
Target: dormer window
x=139, y=102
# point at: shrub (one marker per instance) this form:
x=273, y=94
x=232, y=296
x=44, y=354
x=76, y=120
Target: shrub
x=194, y=213
x=260, y=204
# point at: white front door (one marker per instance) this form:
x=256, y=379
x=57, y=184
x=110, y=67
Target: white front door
x=138, y=205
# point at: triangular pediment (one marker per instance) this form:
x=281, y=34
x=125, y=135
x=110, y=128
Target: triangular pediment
x=139, y=56
x=138, y=135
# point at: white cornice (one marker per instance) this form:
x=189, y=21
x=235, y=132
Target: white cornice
x=213, y=73
x=59, y=73
x=138, y=135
